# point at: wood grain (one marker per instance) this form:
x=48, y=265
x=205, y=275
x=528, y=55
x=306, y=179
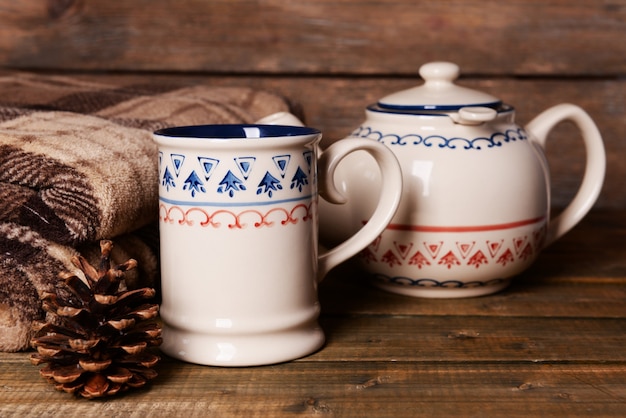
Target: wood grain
x=581, y=275
x=336, y=106
x=348, y=389
x=521, y=37
x=551, y=345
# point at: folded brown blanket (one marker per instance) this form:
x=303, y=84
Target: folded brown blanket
x=78, y=164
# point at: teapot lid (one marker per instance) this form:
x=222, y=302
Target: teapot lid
x=438, y=92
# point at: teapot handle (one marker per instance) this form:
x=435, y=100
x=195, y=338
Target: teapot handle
x=595, y=167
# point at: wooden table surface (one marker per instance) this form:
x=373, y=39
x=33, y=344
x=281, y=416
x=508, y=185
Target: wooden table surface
x=553, y=344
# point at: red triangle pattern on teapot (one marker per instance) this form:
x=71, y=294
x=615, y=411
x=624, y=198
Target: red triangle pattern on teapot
x=456, y=253
x=465, y=248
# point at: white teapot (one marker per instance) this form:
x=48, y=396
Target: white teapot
x=475, y=207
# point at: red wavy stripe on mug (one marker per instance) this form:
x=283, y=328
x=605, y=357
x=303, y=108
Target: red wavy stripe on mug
x=477, y=228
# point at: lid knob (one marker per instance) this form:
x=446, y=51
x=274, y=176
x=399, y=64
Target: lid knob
x=438, y=93
x=439, y=72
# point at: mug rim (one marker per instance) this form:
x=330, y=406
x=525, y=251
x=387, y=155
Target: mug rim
x=238, y=131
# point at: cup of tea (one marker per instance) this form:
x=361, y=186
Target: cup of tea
x=238, y=219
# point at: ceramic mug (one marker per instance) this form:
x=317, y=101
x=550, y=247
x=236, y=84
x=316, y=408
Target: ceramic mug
x=240, y=264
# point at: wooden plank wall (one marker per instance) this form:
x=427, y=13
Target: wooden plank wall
x=333, y=57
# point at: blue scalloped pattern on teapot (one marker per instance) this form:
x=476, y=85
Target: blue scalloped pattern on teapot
x=198, y=178
x=497, y=139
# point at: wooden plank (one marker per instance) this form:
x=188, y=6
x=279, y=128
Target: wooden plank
x=352, y=389
x=540, y=349
x=339, y=109
x=583, y=275
x=472, y=339
x=521, y=37
x=347, y=291
x=336, y=105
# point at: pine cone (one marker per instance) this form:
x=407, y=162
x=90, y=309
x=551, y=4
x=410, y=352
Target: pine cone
x=95, y=343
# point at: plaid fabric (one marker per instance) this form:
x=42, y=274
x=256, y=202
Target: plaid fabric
x=78, y=164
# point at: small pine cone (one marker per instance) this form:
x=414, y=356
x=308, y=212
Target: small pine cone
x=96, y=341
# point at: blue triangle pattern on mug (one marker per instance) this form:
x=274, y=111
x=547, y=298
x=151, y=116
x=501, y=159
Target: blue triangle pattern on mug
x=245, y=165
x=281, y=162
x=208, y=166
x=177, y=162
x=308, y=157
x=194, y=184
x=168, y=180
x=231, y=184
x=299, y=180
x=269, y=184
x=203, y=174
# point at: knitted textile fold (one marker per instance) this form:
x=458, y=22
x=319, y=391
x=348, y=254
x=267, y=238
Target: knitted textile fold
x=77, y=165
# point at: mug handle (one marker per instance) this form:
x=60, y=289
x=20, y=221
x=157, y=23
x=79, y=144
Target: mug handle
x=595, y=167
x=388, y=202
